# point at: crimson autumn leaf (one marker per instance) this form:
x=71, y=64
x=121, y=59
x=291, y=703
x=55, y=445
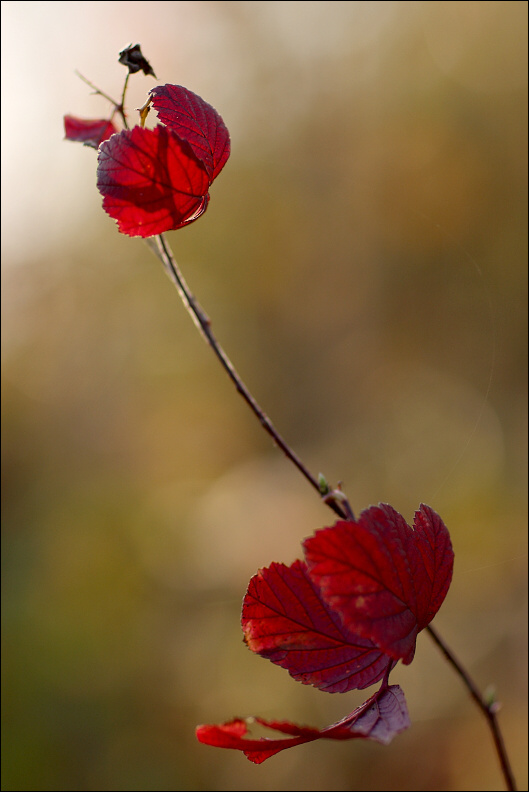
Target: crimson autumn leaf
x=380, y=718
x=344, y=619
x=151, y=181
x=91, y=132
x=285, y=620
x=196, y=122
x=386, y=580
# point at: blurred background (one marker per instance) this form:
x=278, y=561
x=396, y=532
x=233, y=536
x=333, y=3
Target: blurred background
x=364, y=261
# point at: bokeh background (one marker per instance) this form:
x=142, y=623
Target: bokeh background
x=363, y=261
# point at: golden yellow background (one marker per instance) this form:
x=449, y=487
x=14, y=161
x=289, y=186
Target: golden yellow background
x=363, y=260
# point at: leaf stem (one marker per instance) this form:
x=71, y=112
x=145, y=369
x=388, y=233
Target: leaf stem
x=203, y=323
x=121, y=107
x=97, y=90
x=489, y=709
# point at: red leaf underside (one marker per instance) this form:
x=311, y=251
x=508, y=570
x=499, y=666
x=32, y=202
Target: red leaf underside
x=150, y=181
x=90, y=131
x=385, y=579
x=196, y=122
x=380, y=718
x=285, y=620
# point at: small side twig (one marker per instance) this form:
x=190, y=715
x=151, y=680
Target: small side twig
x=118, y=107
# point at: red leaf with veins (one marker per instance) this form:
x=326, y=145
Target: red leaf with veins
x=380, y=718
x=386, y=580
x=285, y=620
x=92, y=132
x=151, y=181
x=196, y=122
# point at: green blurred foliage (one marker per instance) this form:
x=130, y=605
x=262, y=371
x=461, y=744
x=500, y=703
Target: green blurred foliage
x=363, y=260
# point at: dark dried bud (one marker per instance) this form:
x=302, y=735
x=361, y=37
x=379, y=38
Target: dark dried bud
x=132, y=58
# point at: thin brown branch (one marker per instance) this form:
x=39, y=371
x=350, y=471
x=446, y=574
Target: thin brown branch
x=118, y=108
x=334, y=498
x=489, y=709
x=203, y=323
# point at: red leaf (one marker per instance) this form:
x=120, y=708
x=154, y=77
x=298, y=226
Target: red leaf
x=380, y=718
x=285, y=620
x=196, y=122
x=150, y=181
x=386, y=580
x=92, y=132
